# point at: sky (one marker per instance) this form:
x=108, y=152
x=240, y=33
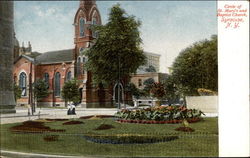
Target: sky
x=167, y=26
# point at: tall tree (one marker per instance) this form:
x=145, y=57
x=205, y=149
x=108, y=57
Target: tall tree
x=197, y=67
x=116, y=52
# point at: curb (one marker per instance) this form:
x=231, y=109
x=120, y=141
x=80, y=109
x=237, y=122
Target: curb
x=14, y=154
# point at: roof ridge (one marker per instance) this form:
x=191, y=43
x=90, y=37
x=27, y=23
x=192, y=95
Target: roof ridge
x=58, y=50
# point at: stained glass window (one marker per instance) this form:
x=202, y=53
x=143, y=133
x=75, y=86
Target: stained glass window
x=57, y=84
x=46, y=79
x=23, y=83
x=82, y=23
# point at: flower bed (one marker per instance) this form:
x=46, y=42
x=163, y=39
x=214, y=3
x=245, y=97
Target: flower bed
x=159, y=115
x=192, y=120
x=128, y=139
x=34, y=127
x=104, y=127
x=73, y=123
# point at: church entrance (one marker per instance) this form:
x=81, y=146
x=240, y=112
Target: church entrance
x=118, y=94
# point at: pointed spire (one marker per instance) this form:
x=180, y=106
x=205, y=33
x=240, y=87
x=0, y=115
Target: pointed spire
x=86, y=2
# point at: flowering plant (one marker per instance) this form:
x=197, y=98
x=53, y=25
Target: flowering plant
x=161, y=113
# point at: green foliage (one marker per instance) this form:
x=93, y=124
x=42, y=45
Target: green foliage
x=161, y=113
x=150, y=69
x=40, y=89
x=158, y=90
x=197, y=67
x=133, y=90
x=148, y=83
x=17, y=91
x=70, y=91
x=172, y=93
x=116, y=48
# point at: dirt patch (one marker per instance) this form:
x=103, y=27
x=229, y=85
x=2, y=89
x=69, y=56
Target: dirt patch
x=96, y=116
x=104, y=127
x=73, y=123
x=185, y=129
x=34, y=127
x=51, y=138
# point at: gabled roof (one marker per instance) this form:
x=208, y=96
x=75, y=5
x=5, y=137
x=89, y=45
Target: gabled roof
x=31, y=59
x=33, y=54
x=55, y=56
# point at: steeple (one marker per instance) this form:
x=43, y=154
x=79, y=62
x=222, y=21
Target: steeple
x=83, y=3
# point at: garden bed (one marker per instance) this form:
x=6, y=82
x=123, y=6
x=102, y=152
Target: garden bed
x=159, y=115
x=34, y=127
x=73, y=123
x=191, y=120
x=128, y=139
x=104, y=127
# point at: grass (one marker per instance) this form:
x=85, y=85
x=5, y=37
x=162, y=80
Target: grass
x=202, y=142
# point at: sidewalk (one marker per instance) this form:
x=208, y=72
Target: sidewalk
x=13, y=154
x=22, y=114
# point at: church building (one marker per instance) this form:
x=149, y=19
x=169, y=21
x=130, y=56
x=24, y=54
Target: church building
x=57, y=67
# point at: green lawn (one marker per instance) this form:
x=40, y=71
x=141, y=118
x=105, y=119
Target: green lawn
x=202, y=142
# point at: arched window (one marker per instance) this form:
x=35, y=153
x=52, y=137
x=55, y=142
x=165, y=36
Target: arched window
x=23, y=83
x=46, y=79
x=78, y=68
x=139, y=82
x=82, y=23
x=68, y=77
x=83, y=59
x=79, y=60
x=57, y=84
x=94, y=33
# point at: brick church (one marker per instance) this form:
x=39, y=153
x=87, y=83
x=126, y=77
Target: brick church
x=57, y=67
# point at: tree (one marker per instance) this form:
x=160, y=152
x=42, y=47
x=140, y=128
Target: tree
x=70, y=91
x=150, y=69
x=148, y=83
x=158, y=90
x=116, y=52
x=40, y=89
x=172, y=93
x=17, y=92
x=133, y=90
x=197, y=67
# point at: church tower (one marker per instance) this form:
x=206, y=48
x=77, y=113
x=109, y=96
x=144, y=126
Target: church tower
x=86, y=16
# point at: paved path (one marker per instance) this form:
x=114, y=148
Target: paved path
x=13, y=154
x=22, y=114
